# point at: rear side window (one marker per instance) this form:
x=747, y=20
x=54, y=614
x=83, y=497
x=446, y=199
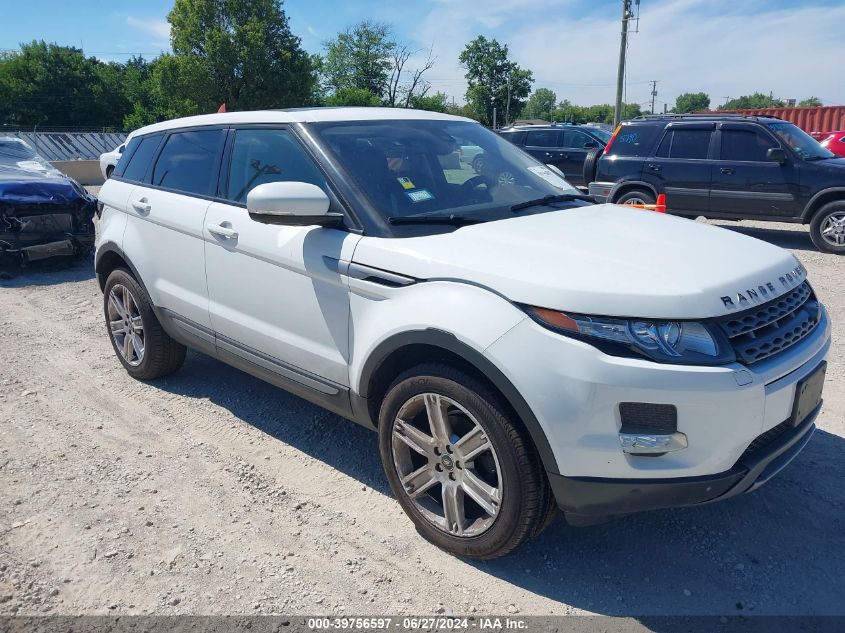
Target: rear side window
x=264, y=155
x=136, y=159
x=685, y=143
x=635, y=140
x=188, y=162
x=744, y=145
x=542, y=138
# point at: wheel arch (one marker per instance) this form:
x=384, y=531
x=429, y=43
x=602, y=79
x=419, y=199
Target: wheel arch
x=823, y=197
x=109, y=257
x=407, y=349
x=621, y=188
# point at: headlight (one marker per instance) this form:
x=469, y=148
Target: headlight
x=689, y=342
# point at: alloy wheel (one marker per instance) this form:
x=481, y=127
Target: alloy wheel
x=638, y=201
x=833, y=229
x=126, y=325
x=447, y=465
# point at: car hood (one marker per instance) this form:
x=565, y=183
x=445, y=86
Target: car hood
x=600, y=259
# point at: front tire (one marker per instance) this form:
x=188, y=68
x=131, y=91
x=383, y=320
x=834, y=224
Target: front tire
x=827, y=229
x=142, y=346
x=636, y=196
x=462, y=469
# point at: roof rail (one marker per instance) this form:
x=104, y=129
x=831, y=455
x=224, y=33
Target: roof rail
x=705, y=115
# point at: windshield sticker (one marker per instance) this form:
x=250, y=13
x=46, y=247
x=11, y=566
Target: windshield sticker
x=406, y=183
x=550, y=177
x=420, y=196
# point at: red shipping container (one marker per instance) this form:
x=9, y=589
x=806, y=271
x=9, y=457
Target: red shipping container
x=817, y=121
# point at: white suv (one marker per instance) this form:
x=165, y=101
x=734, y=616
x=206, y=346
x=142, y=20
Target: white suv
x=517, y=347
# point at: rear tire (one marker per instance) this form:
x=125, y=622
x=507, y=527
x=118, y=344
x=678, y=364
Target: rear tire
x=474, y=484
x=478, y=163
x=827, y=229
x=591, y=163
x=636, y=196
x=141, y=345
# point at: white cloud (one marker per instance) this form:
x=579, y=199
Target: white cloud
x=159, y=29
x=722, y=47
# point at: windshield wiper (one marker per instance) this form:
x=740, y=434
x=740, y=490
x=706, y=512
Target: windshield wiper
x=564, y=197
x=454, y=220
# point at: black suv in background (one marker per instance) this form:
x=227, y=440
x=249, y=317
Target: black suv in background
x=730, y=167
x=565, y=146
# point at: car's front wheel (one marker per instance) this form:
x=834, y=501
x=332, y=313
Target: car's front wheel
x=462, y=469
x=827, y=230
x=139, y=341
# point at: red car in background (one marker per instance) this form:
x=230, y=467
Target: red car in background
x=835, y=142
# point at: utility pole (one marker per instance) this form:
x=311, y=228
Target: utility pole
x=653, y=93
x=508, y=105
x=623, y=48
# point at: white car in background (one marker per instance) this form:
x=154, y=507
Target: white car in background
x=108, y=160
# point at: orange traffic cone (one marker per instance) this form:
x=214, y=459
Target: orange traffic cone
x=660, y=207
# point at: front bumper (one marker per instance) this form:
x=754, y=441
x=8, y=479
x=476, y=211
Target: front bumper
x=587, y=500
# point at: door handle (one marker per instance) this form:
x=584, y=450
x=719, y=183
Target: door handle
x=654, y=167
x=563, y=156
x=141, y=206
x=222, y=231
x=727, y=170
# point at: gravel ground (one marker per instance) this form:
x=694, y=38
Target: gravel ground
x=211, y=492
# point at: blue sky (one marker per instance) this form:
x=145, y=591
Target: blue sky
x=723, y=47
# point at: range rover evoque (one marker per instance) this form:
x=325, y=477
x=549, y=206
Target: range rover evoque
x=517, y=348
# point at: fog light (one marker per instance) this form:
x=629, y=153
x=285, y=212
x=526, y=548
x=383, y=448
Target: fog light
x=653, y=444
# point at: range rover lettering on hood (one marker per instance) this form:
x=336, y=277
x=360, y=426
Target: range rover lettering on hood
x=765, y=292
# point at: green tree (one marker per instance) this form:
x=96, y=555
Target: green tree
x=435, y=103
x=600, y=113
x=168, y=91
x=691, y=102
x=359, y=57
x=810, y=102
x=352, y=96
x=540, y=105
x=238, y=52
x=491, y=76
x=756, y=100
x=51, y=85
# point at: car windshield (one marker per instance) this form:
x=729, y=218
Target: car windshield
x=15, y=149
x=417, y=168
x=801, y=143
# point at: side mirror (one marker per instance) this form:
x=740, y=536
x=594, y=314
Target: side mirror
x=776, y=154
x=291, y=204
x=590, y=144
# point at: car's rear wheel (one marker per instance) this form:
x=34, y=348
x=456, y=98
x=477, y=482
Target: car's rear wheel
x=827, y=230
x=636, y=196
x=478, y=163
x=462, y=469
x=140, y=343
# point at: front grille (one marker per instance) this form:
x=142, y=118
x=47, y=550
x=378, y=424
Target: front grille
x=764, y=331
